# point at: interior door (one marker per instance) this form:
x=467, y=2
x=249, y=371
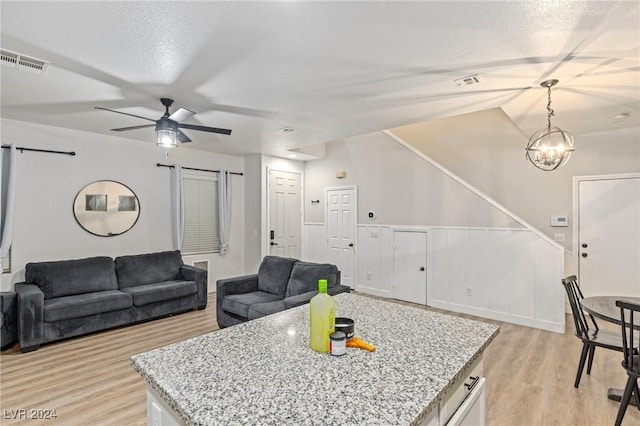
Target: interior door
x=285, y=214
x=341, y=231
x=609, y=236
x=410, y=266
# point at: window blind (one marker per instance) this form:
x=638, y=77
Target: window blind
x=201, y=225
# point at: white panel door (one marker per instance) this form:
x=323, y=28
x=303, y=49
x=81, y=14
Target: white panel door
x=341, y=232
x=285, y=214
x=410, y=266
x=609, y=236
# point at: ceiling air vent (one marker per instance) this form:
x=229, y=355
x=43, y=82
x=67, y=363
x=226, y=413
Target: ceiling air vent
x=468, y=81
x=21, y=62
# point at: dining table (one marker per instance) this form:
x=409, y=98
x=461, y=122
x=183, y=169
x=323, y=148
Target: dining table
x=604, y=307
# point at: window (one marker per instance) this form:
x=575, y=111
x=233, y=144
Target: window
x=201, y=226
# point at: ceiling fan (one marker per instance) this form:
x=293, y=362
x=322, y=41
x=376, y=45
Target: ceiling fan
x=168, y=127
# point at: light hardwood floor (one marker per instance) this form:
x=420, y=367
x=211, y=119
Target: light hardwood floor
x=89, y=380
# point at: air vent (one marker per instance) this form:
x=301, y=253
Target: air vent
x=468, y=81
x=24, y=63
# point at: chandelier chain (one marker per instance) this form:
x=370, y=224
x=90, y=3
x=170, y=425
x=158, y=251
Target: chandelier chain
x=550, y=112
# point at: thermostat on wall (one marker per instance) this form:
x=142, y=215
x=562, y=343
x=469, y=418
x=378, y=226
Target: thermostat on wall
x=559, y=221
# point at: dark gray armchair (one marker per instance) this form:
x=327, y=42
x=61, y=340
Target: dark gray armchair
x=281, y=283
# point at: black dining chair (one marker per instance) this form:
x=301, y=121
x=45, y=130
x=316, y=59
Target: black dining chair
x=590, y=337
x=631, y=359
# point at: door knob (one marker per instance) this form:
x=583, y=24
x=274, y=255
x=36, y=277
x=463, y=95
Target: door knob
x=350, y=244
x=274, y=244
x=584, y=255
x=584, y=245
x=422, y=268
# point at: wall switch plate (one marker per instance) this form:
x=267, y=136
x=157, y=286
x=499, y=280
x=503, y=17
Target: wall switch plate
x=468, y=291
x=369, y=275
x=558, y=238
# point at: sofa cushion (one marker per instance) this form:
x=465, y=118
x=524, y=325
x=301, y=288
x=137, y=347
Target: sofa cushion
x=148, y=268
x=239, y=303
x=304, y=277
x=158, y=292
x=82, y=305
x=299, y=299
x=70, y=277
x=258, y=310
x=274, y=273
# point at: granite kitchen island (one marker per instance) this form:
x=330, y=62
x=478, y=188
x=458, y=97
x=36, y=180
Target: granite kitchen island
x=263, y=372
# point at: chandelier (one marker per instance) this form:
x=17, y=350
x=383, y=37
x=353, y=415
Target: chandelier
x=551, y=147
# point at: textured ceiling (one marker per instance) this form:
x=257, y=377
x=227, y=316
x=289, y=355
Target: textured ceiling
x=326, y=69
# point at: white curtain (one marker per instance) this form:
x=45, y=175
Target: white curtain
x=224, y=209
x=8, y=188
x=177, y=206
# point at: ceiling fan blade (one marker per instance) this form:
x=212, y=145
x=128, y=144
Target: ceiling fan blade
x=124, y=129
x=182, y=137
x=181, y=115
x=124, y=113
x=205, y=129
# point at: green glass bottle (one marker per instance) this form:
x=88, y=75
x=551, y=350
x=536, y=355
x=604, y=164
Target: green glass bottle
x=322, y=318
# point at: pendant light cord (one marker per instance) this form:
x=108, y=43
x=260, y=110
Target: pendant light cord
x=550, y=111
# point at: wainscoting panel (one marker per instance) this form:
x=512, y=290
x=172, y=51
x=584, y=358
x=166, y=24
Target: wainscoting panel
x=374, y=252
x=511, y=275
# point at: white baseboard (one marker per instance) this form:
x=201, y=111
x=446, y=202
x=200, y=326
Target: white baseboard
x=499, y=316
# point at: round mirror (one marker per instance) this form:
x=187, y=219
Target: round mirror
x=106, y=208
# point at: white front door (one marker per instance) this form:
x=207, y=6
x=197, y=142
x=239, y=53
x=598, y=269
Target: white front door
x=285, y=213
x=609, y=236
x=341, y=231
x=410, y=266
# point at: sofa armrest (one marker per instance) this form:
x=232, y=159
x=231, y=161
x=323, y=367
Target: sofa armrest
x=200, y=276
x=337, y=289
x=237, y=285
x=30, y=316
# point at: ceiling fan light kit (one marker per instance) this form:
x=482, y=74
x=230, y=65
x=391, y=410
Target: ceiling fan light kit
x=168, y=126
x=551, y=147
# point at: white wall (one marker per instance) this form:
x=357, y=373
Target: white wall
x=257, y=217
x=45, y=228
x=400, y=186
x=486, y=149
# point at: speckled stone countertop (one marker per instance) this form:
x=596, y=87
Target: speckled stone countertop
x=263, y=372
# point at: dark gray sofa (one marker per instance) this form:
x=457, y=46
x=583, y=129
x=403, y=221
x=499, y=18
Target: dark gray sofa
x=8, y=323
x=281, y=283
x=74, y=297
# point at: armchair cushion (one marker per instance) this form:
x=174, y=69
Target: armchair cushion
x=148, y=268
x=158, y=292
x=69, y=277
x=239, y=303
x=304, y=277
x=273, y=274
x=82, y=305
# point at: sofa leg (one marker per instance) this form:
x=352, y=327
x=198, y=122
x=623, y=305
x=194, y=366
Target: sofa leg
x=8, y=346
x=29, y=348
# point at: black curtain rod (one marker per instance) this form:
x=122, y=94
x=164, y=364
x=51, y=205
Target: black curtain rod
x=49, y=151
x=199, y=170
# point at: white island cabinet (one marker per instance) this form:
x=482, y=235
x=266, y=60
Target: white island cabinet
x=263, y=372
